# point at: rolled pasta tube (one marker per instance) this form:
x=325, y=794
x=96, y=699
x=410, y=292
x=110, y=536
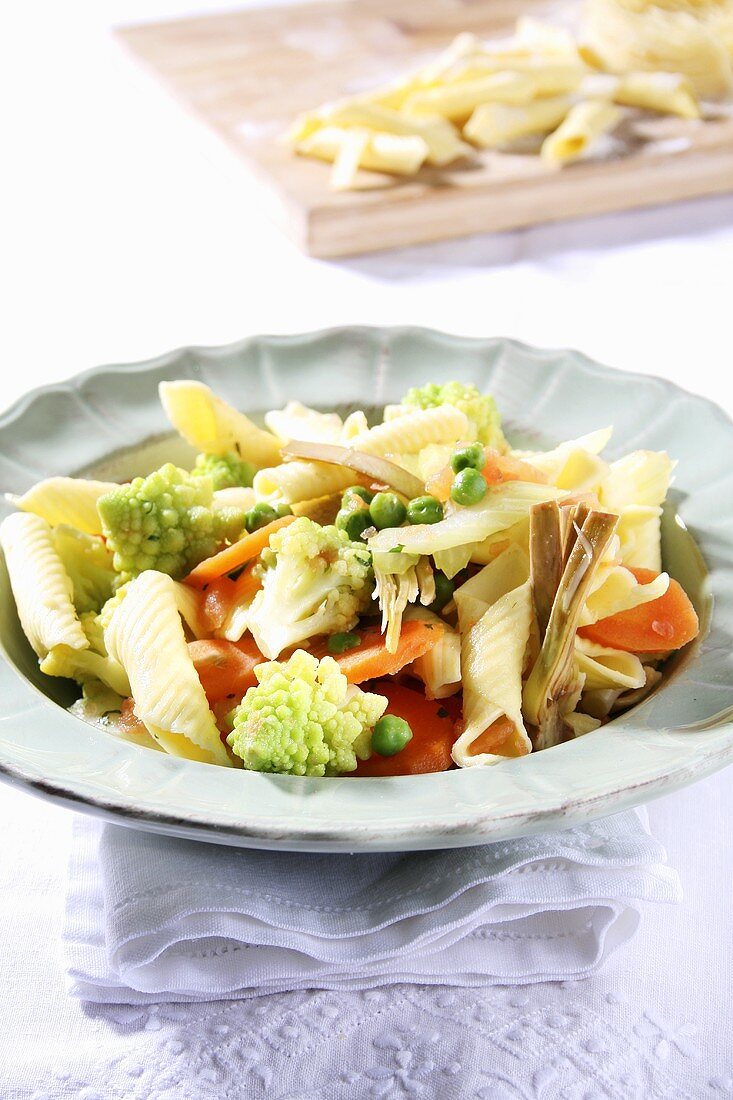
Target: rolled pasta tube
x=42, y=588
x=69, y=500
x=494, y=124
x=400, y=156
x=582, y=126
x=457, y=101
x=348, y=160
x=492, y=659
x=605, y=668
x=442, y=139
x=145, y=635
x=616, y=589
x=213, y=426
x=667, y=93
x=297, y=421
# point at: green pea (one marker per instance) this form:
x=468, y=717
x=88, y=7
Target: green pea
x=444, y=590
x=469, y=487
x=425, y=510
x=387, y=510
x=353, y=523
x=356, y=491
x=258, y=516
x=390, y=735
x=339, y=643
x=283, y=510
x=469, y=457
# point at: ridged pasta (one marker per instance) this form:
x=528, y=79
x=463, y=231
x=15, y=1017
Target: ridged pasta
x=297, y=421
x=42, y=588
x=146, y=636
x=213, y=426
x=297, y=481
x=69, y=500
x=607, y=668
x=507, y=572
x=640, y=534
x=615, y=589
x=492, y=658
x=439, y=668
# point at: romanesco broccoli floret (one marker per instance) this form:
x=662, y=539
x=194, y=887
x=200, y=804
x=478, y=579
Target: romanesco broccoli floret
x=88, y=562
x=480, y=408
x=165, y=521
x=304, y=718
x=315, y=581
x=226, y=471
x=87, y=665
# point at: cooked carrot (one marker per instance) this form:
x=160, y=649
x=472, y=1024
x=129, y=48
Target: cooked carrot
x=234, y=556
x=371, y=659
x=433, y=733
x=226, y=669
x=660, y=625
x=500, y=468
x=501, y=738
x=246, y=585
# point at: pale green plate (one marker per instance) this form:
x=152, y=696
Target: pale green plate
x=109, y=420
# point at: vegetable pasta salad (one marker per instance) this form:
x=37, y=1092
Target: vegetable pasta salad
x=320, y=597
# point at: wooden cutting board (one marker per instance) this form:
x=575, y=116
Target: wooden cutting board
x=248, y=73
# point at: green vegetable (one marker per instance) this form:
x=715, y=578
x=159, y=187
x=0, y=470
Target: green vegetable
x=353, y=523
x=339, y=643
x=390, y=735
x=425, y=510
x=304, y=718
x=469, y=487
x=87, y=665
x=356, y=491
x=387, y=510
x=89, y=564
x=226, y=471
x=444, y=590
x=479, y=408
x=283, y=510
x=165, y=521
x=472, y=456
x=259, y=515
x=315, y=581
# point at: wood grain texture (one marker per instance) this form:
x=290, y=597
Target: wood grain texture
x=248, y=73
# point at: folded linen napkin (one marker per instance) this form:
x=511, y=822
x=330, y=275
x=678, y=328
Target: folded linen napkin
x=152, y=918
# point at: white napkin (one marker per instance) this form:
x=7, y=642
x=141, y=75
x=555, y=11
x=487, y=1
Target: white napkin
x=152, y=918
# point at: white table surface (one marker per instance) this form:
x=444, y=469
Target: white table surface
x=129, y=229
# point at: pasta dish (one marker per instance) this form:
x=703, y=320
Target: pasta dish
x=323, y=597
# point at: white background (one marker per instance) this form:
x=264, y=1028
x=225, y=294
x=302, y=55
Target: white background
x=129, y=229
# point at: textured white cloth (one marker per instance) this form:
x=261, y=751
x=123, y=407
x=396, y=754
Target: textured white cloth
x=151, y=918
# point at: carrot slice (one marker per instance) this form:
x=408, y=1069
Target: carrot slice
x=217, y=601
x=433, y=734
x=235, y=555
x=225, y=669
x=371, y=659
x=500, y=468
x=660, y=625
x=500, y=738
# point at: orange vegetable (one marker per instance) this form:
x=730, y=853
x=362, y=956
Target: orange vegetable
x=660, y=625
x=236, y=555
x=501, y=738
x=500, y=468
x=433, y=734
x=225, y=669
x=371, y=658
x=217, y=601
